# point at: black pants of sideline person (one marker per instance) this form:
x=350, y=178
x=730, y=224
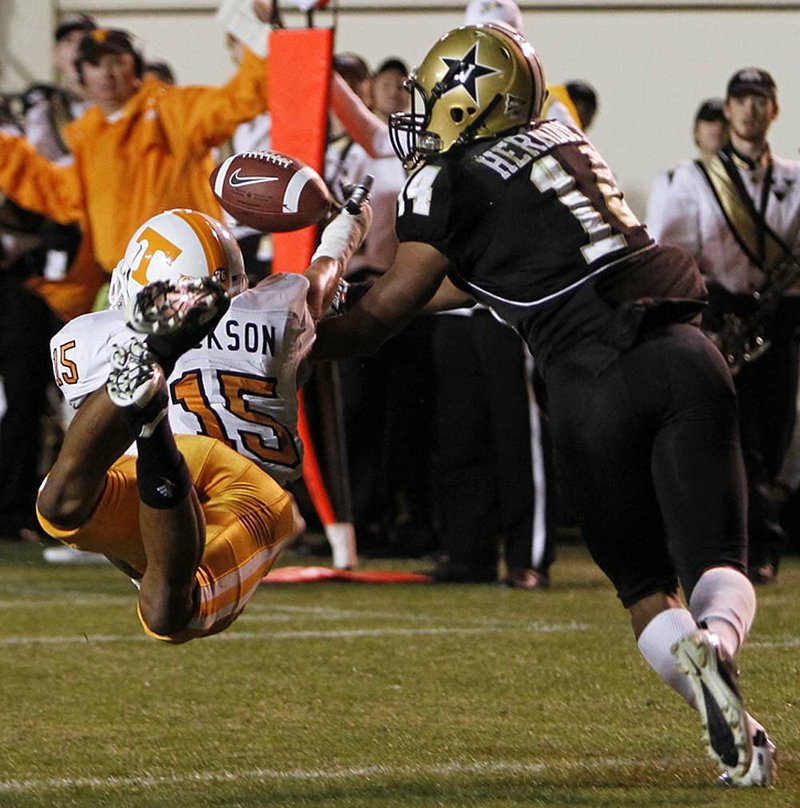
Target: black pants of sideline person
x=388, y=410
x=493, y=465
x=26, y=325
x=767, y=394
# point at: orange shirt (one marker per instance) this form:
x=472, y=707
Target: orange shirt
x=151, y=156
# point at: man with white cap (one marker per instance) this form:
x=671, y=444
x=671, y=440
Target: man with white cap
x=558, y=105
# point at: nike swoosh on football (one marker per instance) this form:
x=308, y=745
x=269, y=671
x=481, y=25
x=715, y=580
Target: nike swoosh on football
x=236, y=181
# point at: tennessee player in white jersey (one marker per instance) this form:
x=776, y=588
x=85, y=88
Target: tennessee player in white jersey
x=239, y=385
x=195, y=522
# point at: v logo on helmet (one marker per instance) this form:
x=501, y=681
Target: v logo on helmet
x=237, y=181
x=468, y=73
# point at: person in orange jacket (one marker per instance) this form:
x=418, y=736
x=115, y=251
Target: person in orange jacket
x=143, y=147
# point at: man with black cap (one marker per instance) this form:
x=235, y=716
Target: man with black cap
x=52, y=107
x=37, y=290
x=738, y=213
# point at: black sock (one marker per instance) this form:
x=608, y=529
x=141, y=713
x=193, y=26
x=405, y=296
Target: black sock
x=162, y=476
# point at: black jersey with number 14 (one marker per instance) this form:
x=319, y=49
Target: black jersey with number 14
x=537, y=229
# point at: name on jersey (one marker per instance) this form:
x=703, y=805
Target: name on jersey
x=253, y=338
x=510, y=155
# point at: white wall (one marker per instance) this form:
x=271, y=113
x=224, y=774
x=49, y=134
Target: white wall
x=652, y=63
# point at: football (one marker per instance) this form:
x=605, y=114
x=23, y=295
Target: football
x=270, y=191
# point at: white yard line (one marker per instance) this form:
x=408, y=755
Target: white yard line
x=232, y=636
x=786, y=642
x=505, y=768
x=254, y=609
x=304, y=775
x=82, y=600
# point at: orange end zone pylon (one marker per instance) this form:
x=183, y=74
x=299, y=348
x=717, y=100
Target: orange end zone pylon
x=299, y=80
x=300, y=63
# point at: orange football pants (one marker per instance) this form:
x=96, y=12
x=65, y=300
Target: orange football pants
x=248, y=518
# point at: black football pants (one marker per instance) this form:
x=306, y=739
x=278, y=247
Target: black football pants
x=649, y=459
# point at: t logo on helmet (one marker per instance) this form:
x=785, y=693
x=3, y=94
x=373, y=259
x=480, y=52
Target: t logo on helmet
x=155, y=243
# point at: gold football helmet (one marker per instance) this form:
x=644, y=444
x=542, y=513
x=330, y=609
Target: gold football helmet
x=478, y=81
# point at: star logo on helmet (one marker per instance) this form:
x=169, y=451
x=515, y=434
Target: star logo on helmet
x=466, y=71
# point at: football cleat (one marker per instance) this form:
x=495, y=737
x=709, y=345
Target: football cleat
x=137, y=385
x=714, y=680
x=763, y=769
x=176, y=316
x=170, y=309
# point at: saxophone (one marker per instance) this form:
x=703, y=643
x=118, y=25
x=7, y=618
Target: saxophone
x=742, y=339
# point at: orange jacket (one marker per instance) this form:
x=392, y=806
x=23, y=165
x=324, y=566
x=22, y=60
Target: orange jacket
x=152, y=156
x=75, y=294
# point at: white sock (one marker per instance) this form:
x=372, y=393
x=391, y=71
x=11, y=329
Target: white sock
x=724, y=599
x=655, y=644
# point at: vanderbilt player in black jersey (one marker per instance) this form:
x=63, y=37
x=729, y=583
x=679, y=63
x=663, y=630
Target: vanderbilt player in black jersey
x=525, y=217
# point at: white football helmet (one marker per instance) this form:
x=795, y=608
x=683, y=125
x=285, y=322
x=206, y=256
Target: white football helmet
x=176, y=245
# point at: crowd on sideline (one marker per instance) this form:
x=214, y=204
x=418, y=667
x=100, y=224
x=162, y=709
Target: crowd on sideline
x=448, y=448
x=534, y=354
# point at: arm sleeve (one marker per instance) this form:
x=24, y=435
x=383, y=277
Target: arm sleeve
x=656, y=202
x=211, y=114
x=82, y=350
x=37, y=184
x=366, y=128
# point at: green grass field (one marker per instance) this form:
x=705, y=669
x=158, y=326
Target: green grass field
x=365, y=695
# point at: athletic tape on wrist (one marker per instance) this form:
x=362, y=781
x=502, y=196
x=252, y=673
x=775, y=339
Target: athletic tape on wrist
x=341, y=238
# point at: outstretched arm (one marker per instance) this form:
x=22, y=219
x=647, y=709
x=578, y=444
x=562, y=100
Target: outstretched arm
x=209, y=115
x=363, y=125
x=399, y=294
x=340, y=241
x=38, y=184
